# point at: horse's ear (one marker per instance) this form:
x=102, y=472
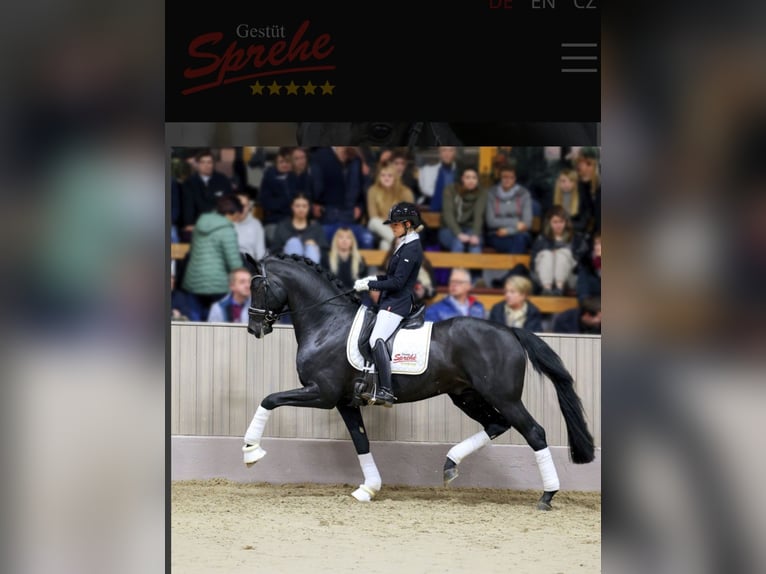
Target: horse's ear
x=251, y=263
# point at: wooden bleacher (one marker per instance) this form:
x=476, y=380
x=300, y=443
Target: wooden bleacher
x=489, y=297
x=443, y=259
x=446, y=259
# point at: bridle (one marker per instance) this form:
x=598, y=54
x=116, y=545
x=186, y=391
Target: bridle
x=269, y=317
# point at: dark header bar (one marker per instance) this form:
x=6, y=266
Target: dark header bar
x=477, y=60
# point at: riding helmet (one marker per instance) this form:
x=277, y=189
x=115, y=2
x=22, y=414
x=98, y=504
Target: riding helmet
x=403, y=211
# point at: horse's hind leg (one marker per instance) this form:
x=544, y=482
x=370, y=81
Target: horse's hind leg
x=352, y=416
x=494, y=423
x=534, y=434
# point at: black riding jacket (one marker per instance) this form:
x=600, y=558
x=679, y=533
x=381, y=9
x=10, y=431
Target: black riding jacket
x=398, y=284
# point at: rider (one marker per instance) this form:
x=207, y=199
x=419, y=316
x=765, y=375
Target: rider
x=397, y=292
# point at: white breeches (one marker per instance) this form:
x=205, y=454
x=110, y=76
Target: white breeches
x=385, y=325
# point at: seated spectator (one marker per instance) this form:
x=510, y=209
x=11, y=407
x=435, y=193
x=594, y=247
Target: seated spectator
x=463, y=214
x=337, y=174
x=554, y=253
x=181, y=307
x=344, y=259
x=299, y=177
x=387, y=191
x=213, y=254
x=516, y=310
x=589, y=187
x=296, y=235
x=250, y=234
x=566, y=194
x=435, y=178
x=508, y=214
x=589, y=271
x=585, y=319
x=458, y=303
x=233, y=308
x=405, y=169
x=275, y=194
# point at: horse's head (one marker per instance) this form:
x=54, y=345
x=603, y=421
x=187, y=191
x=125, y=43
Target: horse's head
x=267, y=298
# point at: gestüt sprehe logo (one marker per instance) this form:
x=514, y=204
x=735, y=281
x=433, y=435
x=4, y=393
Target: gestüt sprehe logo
x=260, y=55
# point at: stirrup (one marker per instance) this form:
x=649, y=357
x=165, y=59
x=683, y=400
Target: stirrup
x=380, y=397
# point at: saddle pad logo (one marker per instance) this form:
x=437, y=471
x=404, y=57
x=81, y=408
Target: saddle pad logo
x=410, y=352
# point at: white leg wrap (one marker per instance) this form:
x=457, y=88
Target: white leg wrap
x=255, y=430
x=469, y=445
x=372, y=481
x=547, y=469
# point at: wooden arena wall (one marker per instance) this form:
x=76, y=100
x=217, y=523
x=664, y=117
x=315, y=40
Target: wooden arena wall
x=219, y=374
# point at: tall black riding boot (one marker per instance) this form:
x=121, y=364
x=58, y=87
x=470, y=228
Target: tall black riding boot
x=383, y=395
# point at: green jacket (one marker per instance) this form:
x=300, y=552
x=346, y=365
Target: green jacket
x=213, y=254
x=465, y=210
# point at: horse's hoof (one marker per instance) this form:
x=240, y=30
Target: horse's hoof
x=545, y=500
x=450, y=474
x=364, y=493
x=252, y=454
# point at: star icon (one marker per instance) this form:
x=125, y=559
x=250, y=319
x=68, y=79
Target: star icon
x=292, y=88
x=309, y=88
x=327, y=88
x=274, y=88
x=256, y=88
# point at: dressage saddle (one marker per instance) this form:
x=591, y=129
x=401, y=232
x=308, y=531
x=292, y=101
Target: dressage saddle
x=414, y=320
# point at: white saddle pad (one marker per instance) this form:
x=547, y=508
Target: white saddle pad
x=410, y=350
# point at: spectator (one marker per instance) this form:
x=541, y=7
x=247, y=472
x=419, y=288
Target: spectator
x=458, y=303
x=566, y=194
x=584, y=319
x=517, y=310
x=233, y=308
x=344, y=259
x=296, y=235
x=406, y=173
x=275, y=195
x=463, y=214
x=509, y=214
x=387, y=191
x=299, y=178
x=338, y=178
x=589, y=188
x=250, y=234
x=554, y=253
x=589, y=271
x=434, y=179
x=181, y=308
x=201, y=191
x=213, y=254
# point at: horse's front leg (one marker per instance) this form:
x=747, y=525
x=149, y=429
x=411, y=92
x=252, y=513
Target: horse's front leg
x=352, y=416
x=308, y=396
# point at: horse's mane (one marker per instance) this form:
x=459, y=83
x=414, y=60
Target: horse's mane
x=323, y=272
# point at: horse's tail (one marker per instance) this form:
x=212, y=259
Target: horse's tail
x=545, y=361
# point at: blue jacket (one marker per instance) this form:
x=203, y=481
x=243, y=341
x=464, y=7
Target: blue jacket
x=397, y=286
x=446, y=309
x=221, y=311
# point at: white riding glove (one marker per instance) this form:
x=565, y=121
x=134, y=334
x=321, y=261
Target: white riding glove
x=362, y=284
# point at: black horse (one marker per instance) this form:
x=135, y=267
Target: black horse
x=478, y=363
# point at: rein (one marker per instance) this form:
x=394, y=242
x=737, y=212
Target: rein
x=315, y=304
